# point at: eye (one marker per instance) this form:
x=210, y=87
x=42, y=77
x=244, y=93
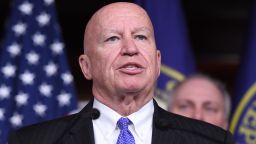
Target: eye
x=183, y=107
x=140, y=37
x=112, y=39
x=211, y=109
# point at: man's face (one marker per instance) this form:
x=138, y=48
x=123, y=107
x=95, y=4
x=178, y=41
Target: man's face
x=121, y=53
x=200, y=99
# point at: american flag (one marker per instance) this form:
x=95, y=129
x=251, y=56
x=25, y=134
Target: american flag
x=35, y=81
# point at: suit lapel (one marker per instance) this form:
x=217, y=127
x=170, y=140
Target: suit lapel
x=82, y=131
x=162, y=124
x=156, y=133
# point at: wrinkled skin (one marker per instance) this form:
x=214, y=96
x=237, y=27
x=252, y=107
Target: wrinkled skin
x=120, y=56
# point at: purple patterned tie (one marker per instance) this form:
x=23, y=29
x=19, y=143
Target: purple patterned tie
x=125, y=136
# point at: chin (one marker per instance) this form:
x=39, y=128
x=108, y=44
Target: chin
x=132, y=85
x=131, y=89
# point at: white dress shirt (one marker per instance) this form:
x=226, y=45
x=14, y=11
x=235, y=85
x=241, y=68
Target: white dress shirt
x=106, y=130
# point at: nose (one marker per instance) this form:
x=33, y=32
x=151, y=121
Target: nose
x=198, y=114
x=129, y=47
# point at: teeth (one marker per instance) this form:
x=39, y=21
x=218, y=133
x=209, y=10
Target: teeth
x=131, y=67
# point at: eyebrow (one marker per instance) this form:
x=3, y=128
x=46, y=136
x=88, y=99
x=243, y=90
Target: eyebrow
x=186, y=101
x=210, y=103
x=143, y=29
x=192, y=103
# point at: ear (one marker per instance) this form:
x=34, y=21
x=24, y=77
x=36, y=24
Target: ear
x=159, y=62
x=85, y=66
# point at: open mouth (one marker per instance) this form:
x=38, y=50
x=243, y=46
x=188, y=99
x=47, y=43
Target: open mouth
x=131, y=68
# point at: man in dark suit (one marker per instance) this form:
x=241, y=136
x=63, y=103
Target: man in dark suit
x=121, y=58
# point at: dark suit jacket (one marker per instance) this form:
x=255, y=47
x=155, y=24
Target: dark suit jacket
x=168, y=128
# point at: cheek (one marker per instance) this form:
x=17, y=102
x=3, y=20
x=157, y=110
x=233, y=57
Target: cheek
x=214, y=118
x=97, y=64
x=103, y=63
x=183, y=110
x=152, y=61
x=186, y=113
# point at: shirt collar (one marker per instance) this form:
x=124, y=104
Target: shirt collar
x=141, y=119
x=108, y=118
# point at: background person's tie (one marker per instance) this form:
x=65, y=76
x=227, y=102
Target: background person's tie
x=125, y=136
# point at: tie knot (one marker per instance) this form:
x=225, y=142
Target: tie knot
x=123, y=123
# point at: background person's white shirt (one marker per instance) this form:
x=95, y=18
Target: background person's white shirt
x=106, y=130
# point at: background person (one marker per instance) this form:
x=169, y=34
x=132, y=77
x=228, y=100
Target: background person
x=203, y=98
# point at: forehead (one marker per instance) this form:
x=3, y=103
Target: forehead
x=120, y=15
x=199, y=90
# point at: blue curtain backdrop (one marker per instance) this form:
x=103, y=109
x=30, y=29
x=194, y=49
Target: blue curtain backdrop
x=172, y=40
x=35, y=81
x=243, y=124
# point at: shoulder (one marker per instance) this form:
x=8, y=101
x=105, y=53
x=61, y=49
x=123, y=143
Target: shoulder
x=48, y=130
x=184, y=127
x=52, y=131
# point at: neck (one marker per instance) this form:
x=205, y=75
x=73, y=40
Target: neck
x=125, y=104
